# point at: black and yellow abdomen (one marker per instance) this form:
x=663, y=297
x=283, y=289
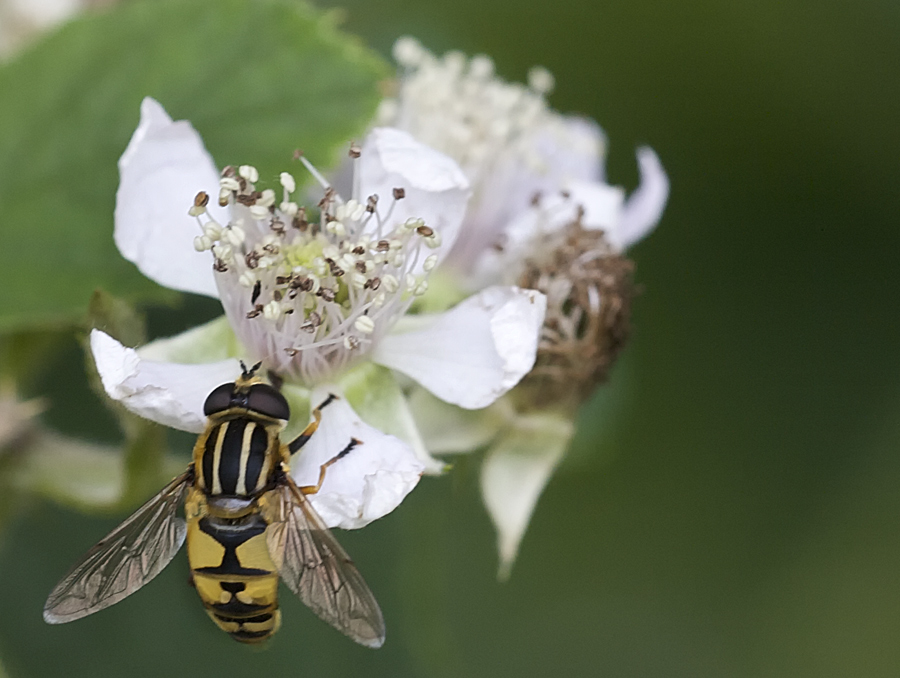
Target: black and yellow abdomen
x=230, y=563
x=232, y=570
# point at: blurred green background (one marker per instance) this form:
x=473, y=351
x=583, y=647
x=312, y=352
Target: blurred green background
x=731, y=504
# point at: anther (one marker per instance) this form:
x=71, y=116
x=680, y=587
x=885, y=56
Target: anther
x=299, y=222
x=288, y=182
x=304, y=284
x=257, y=289
x=391, y=284
x=328, y=198
x=249, y=173
x=336, y=270
x=272, y=310
x=355, y=151
x=399, y=194
x=364, y=324
x=202, y=243
x=233, y=235
x=425, y=231
x=540, y=80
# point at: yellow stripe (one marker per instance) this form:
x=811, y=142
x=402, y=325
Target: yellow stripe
x=245, y=457
x=217, y=459
x=266, y=465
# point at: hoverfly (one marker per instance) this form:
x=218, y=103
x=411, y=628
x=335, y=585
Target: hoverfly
x=246, y=523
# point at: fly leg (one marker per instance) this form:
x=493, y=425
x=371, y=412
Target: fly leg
x=304, y=437
x=312, y=489
x=307, y=433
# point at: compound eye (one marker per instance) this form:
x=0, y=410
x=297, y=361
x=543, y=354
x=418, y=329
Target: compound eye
x=268, y=401
x=220, y=399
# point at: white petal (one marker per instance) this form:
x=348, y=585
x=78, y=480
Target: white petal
x=602, y=205
x=476, y=351
x=448, y=429
x=561, y=150
x=645, y=205
x=436, y=188
x=577, y=150
x=160, y=173
x=515, y=472
x=171, y=394
x=376, y=396
x=366, y=484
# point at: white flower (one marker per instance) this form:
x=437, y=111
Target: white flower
x=513, y=147
x=534, y=173
x=315, y=301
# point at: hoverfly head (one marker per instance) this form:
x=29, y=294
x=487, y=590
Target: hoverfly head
x=250, y=393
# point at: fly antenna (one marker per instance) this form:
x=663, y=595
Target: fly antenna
x=247, y=374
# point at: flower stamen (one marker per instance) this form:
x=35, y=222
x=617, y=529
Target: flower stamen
x=318, y=295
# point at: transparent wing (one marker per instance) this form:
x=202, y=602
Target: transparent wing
x=318, y=570
x=123, y=561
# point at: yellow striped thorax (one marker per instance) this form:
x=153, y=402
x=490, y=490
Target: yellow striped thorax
x=240, y=448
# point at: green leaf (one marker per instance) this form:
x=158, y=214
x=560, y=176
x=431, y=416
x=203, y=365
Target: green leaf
x=258, y=79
